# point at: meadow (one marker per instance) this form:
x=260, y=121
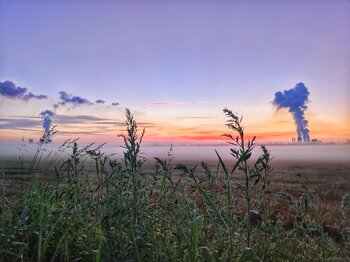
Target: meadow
x=80, y=204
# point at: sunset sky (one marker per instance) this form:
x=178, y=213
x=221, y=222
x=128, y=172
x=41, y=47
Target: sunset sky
x=176, y=65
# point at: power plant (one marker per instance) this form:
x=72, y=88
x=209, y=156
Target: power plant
x=299, y=140
x=295, y=100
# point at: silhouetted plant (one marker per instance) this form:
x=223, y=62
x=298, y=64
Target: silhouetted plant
x=132, y=158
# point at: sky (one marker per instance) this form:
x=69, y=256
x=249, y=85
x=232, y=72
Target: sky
x=175, y=65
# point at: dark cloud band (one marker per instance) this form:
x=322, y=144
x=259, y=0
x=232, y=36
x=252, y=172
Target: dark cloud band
x=10, y=90
x=66, y=98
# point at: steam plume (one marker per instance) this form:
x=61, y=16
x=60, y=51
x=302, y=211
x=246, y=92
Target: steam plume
x=295, y=100
x=47, y=114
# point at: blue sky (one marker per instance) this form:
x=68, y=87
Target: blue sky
x=181, y=59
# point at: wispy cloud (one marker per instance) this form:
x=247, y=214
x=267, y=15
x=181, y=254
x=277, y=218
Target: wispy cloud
x=115, y=104
x=18, y=123
x=195, y=117
x=30, y=95
x=10, y=90
x=79, y=133
x=170, y=103
x=77, y=119
x=99, y=101
x=86, y=119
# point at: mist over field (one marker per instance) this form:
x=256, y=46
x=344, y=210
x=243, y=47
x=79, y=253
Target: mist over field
x=323, y=153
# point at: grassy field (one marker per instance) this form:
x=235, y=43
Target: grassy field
x=92, y=207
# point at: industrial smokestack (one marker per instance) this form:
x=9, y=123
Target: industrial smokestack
x=47, y=114
x=295, y=100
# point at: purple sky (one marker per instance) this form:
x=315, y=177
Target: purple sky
x=206, y=54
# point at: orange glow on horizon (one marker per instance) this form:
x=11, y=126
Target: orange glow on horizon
x=196, y=130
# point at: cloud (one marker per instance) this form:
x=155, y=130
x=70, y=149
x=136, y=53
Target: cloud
x=66, y=98
x=10, y=90
x=83, y=124
x=69, y=99
x=195, y=117
x=86, y=119
x=30, y=95
x=18, y=123
x=169, y=103
x=77, y=119
x=111, y=122
x=79, y=133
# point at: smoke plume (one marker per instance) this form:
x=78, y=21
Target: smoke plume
x=47, y=114
x=295, y=100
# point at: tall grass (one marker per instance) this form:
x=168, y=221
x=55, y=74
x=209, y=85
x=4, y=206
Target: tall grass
x=121, y=211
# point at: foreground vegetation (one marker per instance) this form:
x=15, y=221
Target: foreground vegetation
x=120, y=212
